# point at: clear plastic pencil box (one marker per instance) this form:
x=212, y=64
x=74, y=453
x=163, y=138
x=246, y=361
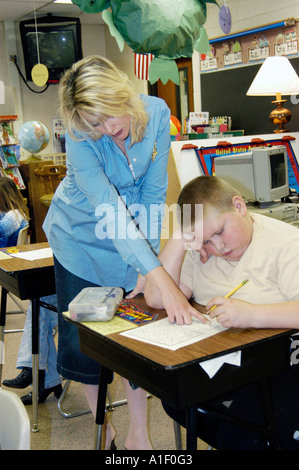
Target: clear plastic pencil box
x=96, y=304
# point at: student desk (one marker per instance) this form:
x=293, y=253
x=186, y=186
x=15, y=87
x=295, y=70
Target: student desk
x=176, y=377
x=27, y=280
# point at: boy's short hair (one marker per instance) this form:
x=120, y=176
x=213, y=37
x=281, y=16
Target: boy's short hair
x=208, y=191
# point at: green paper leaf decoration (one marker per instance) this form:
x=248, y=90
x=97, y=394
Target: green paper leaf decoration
x=168, y=29
x=163, y=69
x=202, y=44
x=107, y=17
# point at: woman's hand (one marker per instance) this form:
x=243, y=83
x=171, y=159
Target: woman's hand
x=232, y=313
x=171, y=298
x=178, y=308
x=139, y=288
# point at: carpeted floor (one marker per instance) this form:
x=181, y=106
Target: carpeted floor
x=59, y=433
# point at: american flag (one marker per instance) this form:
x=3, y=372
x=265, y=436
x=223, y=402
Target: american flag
x=142, y=63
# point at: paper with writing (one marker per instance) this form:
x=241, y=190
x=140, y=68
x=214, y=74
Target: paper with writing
x=172, y=336
x=34, y=254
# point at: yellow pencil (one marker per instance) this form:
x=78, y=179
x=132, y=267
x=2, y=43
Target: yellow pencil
x=232, y=292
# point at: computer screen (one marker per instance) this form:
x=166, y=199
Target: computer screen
x=261, y=175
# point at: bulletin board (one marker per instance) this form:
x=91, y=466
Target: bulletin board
x=230, y=70
x=207, y=155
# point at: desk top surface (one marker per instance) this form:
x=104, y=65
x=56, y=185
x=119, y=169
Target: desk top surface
x=18, y=264
x=221, y=343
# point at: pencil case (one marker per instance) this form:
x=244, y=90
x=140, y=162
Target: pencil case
x=96, y=304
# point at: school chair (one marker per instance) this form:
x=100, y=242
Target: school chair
x=21, y=240
x=110, y=405
x=14, y=423
x=23, y=236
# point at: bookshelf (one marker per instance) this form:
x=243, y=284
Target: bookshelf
x=10, y=151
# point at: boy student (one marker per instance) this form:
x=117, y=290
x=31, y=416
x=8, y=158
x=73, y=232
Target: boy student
x=213, y=255
x=228, y=246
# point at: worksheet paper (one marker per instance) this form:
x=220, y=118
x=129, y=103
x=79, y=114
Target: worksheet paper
x=34, y=254
x=172, y=336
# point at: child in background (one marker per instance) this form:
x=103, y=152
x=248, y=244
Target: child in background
x=13, y=212
x=14, y=217
x=226, y=246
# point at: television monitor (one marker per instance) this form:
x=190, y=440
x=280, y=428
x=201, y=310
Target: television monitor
x=261, y=175
x=52, y=41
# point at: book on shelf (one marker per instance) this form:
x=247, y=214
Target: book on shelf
x=215, y=135
x=6, y=134
x=10, y=152
x=15, y=175
x=9, y=155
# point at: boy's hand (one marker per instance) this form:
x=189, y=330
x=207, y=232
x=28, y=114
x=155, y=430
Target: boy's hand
x=204, y=255
x=191, y=243
x=232, y=313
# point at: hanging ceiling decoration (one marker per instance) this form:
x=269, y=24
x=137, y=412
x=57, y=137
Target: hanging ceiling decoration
x=167, y=29
x=225, y=19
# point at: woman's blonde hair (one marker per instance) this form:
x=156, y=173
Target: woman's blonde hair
x=11, y=198
x=210, y=192
x=94, y=87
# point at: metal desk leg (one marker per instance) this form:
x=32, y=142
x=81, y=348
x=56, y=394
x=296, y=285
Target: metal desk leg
x=2, y=325
x=177, y=435
x=101, y=406
x=35, y=361
x=269, y=415
x=191, y=428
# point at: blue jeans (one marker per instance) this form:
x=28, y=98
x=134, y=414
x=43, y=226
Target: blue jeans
x=71, y=363
x=47, y=349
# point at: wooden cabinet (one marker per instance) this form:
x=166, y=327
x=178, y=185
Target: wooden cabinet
x=41, y=179
x=37, y=179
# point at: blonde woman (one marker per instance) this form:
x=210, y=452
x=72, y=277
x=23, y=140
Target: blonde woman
x=13, y=212
x=104, y=222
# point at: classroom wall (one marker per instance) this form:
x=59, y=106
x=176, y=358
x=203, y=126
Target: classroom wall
x=250, y=14
x=33, y=105
x=245, y=15
x=97, y=40
x=44, y=106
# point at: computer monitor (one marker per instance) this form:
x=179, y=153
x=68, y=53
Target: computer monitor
x=261, y=175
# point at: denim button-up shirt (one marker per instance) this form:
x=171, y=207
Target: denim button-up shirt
x=104, y=222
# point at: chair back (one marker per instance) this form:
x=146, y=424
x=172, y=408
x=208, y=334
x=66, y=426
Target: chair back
x=22, y=236
x=14, y=422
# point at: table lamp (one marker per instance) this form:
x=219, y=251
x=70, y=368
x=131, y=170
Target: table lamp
x=276, y=77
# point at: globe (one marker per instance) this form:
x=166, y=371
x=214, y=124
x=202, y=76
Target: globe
x=33, y=136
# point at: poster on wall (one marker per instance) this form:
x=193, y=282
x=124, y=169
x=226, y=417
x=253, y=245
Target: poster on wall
x=207, y=155
x=247, y=49
x=58, y=132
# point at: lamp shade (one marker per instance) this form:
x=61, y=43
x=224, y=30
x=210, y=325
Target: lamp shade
x=276, y=75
